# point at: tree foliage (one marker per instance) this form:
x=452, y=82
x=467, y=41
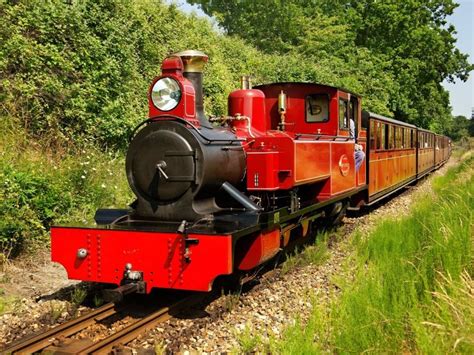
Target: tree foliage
x=461, y=128
x=406, y=45
x=73, y=71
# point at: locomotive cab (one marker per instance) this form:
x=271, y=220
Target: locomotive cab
x=312, y=108
x=307, y=123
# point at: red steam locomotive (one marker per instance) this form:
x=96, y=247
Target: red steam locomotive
x=224, y=195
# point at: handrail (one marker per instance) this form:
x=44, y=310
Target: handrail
x=319, y=136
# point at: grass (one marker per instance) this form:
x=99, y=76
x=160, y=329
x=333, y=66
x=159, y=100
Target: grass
x=77, y=297
x=231, y=299
x=249, y=341
x=55, y=312
x=314, y=254
x=413, y=289
x=7, y=303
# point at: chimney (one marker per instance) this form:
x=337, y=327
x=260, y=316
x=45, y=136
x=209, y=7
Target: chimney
x=194, y=62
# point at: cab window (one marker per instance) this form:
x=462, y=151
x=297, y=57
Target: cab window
x=343, y=119
x=317, y=108
x=354, y=115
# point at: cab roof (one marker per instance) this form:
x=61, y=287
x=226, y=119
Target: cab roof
x=306, y=84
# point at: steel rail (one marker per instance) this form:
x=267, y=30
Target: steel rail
x=37, y=342
x=132, y=331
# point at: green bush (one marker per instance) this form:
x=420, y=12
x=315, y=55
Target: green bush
x=38, y=192
x=28, y=203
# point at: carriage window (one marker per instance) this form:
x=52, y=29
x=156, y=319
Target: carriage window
x=383, y=133
x=394, y=136
x=391, y=137
x=343, y=119
x=317, y=108
x=373, y=134
x=380, y=140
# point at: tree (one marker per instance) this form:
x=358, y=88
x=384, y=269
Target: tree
x=460, y=128
x=415, y=33
x=411, y=39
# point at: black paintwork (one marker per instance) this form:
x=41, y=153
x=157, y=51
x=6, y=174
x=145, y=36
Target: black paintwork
x=194, y=165
x=237, y=224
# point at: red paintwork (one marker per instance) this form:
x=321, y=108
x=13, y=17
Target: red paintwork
x=263, y=170
x=159, y=255
x=251, y=104
x=282, y=160
x=258, y=249
x=311, y=163
x=339, y=182
x=173, y=67
x=295, y=117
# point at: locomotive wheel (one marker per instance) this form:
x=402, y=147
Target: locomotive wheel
x=335, y=214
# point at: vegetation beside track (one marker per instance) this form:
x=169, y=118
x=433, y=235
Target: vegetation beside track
x=40, y=188
x=413, y=287
x=74, y=78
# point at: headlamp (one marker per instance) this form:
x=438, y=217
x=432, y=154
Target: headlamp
x=165, y=94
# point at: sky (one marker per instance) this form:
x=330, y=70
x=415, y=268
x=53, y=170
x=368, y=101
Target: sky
x=461, y=93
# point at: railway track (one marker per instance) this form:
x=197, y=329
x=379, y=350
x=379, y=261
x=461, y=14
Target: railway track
x=58, y=339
